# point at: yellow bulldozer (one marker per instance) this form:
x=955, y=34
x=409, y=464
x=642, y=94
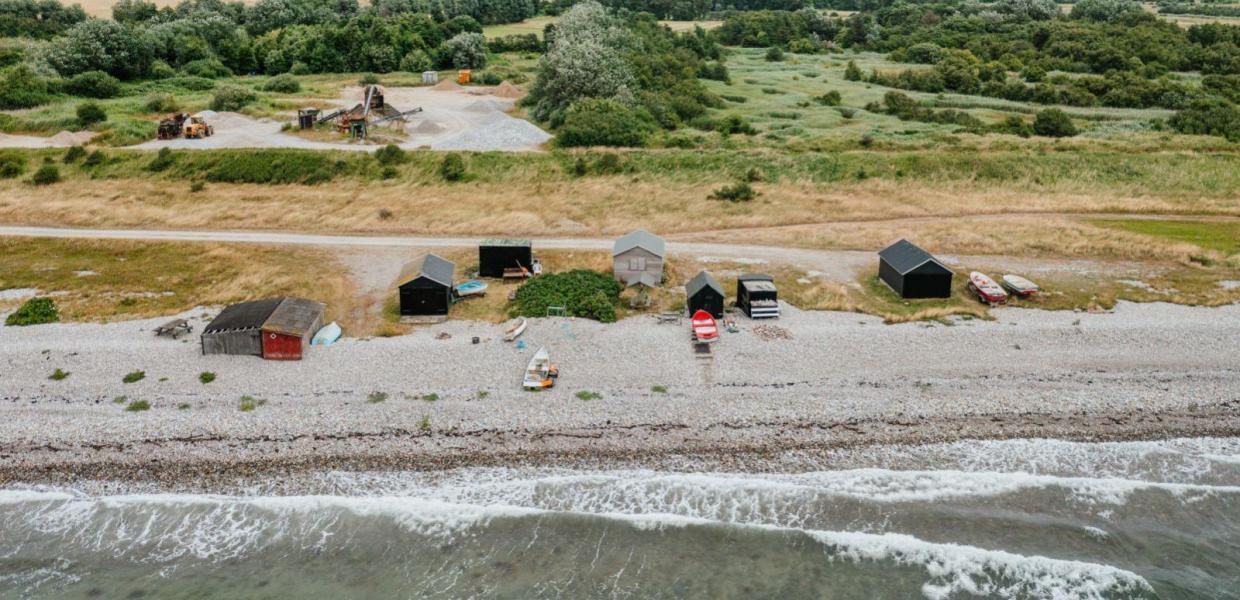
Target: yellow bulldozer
x=183, y=125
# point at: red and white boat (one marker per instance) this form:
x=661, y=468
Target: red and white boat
x=1019, y=286
x=705, y=330
x=986, y=289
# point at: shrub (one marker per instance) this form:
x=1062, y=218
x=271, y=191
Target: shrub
x=89, y=113
x=163, y=159
x=924, y=54
x=138, y=406
x=231, y=97
x=58, y=375
x=162, y=70
x=284, y=84
x=774, y=54
x=831, y=98
x=1053, y=122
x=1208, y=116
x=368, y=79
x=162, y=103
x=208, y=68
x=490, y=78
x=134, y=377
x=1105, y=10
x=93, y=84
x=587, y=395
x=847, y=113
x=73, y=154
x=11, y=165
x=206, y=377
x=20, y=87
x=735, y=124
x=604, y=122
x=249, y=403
x=582, y=293
x=852, y=72
x=376, y=397
x=467, y=50
x=95, y=159
x=453, y=167
x=197, y=186
x=740, y=191
x=300, y=68
x=46, y=175
x=35, y=311
x=658, y=389
x=416, y=61
x=390, y=154
x=431, y=397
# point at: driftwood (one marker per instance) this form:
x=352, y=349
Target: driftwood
x=174, y=329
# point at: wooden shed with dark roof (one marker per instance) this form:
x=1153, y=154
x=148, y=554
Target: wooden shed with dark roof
x=704, y=293
x=495, y=255
x=275, y=329
x=913, y=272
x=425, y=286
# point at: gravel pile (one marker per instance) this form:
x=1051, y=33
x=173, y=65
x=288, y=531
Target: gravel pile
x=1145, y=368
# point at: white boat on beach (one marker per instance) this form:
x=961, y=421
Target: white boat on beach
x=516, y=330
x=540, y=373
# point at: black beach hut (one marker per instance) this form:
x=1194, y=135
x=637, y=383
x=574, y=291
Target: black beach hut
x=496, y=255
x=757, y=296
x=913, y=272
x=705, y=294
x=425, y=286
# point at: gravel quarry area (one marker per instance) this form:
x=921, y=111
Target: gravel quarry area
x=435, y=399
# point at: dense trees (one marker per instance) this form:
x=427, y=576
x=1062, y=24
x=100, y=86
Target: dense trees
x=37, y=18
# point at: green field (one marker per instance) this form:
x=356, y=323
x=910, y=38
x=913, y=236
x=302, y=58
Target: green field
x=1221, y=236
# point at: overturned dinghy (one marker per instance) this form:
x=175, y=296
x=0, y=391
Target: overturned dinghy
x=327, y=335
x=516, y=330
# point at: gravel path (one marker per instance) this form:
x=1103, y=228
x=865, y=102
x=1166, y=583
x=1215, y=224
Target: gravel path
x=1147, y=370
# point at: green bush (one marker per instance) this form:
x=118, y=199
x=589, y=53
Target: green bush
x=162, y=103
x=20, y=87
x=232, y=97
x=46, y=175
x=1053, y=122
x=453, y=167
x=58, y=375
x=1209, y=116
x=12, y=165
x=163, y=159
x=93, y=84
x=284, y=84
x=95, y=159
x=831, y=98
x=368, y=79
x=774, y=54
x=89, y=113
x=208, y=68
x=735, y=124
x=604, y=122
x=206, y=377
x=852, y=72
x=390, y=154
x=162, y=70
x=583, y=293
x=133, y=377
x=73, y=154
x=138, y=406
x=490, y=78
x=740, y=191
x=416, y=61
x=35, y=311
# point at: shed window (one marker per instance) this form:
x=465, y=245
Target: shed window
x=637, y=263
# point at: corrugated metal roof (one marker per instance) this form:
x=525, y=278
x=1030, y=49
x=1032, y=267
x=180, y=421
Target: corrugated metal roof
x=904, y=256
x=242, y=316
x=640, y=238
x=295, y=316
x=434, y=267
x=505, y=242
x=701, y=280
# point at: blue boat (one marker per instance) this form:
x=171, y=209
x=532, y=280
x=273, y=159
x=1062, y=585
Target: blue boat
x=326, y=335
x=473, y=287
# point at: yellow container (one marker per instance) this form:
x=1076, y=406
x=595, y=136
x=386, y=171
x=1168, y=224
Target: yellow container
x=462, y=76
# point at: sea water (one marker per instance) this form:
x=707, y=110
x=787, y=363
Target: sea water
x=1001, y=519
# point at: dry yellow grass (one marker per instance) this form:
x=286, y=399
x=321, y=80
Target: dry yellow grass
x=94, y=280
x=846, y=215
x=103, y=8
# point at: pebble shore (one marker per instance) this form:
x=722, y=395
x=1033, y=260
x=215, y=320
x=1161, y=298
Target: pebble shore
x=426, y=400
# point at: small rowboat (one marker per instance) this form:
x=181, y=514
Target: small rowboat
x=326, y=335
x=540, y=373
x=704, y=329
x=1019, y=285
x=986, y=289
x=516, y=330
x=473, y=287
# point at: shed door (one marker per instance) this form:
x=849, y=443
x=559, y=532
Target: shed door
x=280, y=346
x=637, y=263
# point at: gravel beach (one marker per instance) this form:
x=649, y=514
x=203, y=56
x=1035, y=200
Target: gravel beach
x=434, y=399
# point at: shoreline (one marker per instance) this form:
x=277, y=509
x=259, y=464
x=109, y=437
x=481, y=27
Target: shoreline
x=839, y=380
